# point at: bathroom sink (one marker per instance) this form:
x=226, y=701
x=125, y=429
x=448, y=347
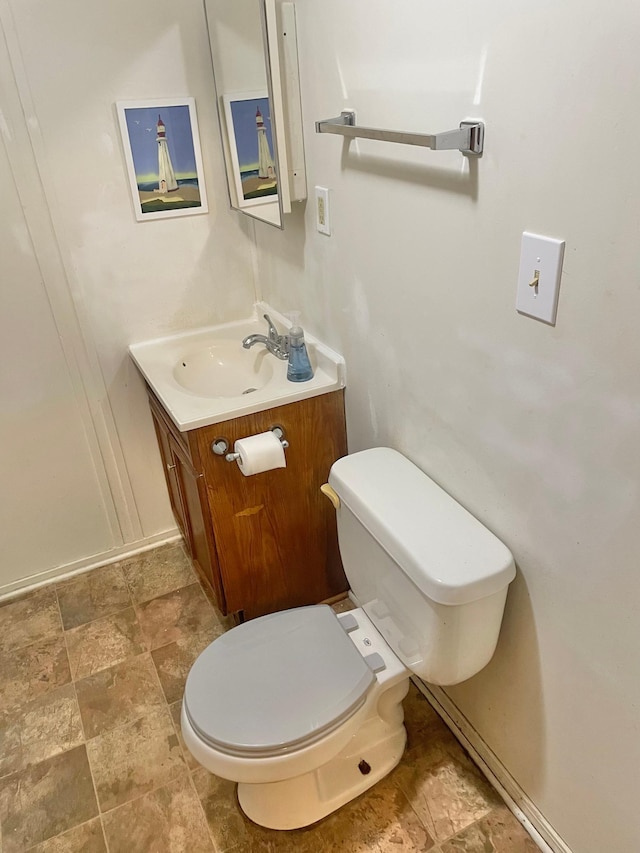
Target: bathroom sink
x=224, y=369
x=205, y=376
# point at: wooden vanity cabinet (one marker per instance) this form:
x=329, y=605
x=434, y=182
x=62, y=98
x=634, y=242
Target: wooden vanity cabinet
x=268, y=541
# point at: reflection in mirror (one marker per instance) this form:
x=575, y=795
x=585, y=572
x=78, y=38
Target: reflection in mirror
x=254, y=109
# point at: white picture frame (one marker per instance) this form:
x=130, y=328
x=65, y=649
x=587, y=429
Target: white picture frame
x=247, y=118
x=163, y=157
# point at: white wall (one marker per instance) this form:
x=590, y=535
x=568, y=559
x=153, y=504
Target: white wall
x=124, y=281
x=45, y=454
x=534, y=429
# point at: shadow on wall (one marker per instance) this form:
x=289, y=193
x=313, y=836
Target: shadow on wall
x=460, y=181
x=504, y=703
x=287, y=247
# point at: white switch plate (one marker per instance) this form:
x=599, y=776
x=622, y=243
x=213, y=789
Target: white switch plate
x=323, y=222
x=541, y=262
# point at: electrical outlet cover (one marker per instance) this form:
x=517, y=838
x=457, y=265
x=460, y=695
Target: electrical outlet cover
x=323, y=222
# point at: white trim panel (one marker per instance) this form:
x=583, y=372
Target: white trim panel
x=123, y=552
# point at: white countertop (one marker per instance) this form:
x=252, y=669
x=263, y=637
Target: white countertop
x=164, y=361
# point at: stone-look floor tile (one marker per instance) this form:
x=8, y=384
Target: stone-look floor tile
x=29, y=619
x=157, y=572
x=343, y=606
x=444, y=788
x=380, y=820
x=174, y=661
x=230, y=620
x=86, y=838
x=104, y=643
x=421, y=721
x=118, y=695
x=132, y=760
x=435, y=744
x=167, y=820
x=26, y=674
x=43, y=728
x=92, y=595
x=499, y=832
x=176, y=616
x=46, y=800
x=176, y=710
x=391, y=822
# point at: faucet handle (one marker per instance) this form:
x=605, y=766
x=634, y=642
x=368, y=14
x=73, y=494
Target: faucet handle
x=273, y=332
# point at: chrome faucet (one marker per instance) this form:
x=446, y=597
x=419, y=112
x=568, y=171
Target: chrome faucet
x=277, y=344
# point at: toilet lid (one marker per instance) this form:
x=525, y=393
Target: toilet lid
x=273, y=683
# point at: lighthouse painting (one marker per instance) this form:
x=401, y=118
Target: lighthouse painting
x=167, y=182
x=249, y=132
x=162, y=151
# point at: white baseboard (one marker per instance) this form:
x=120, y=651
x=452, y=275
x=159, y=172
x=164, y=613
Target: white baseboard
x=538, y=827
x=19, y=587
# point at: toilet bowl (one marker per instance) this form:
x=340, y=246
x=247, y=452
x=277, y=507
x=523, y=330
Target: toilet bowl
x=303, y=708
x=296, y=753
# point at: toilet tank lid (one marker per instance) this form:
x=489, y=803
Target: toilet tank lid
x=450, y=556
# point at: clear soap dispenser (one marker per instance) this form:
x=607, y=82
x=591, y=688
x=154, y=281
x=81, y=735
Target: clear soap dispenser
x=299, y=368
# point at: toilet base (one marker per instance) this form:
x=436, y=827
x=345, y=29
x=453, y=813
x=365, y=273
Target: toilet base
x=302, y=800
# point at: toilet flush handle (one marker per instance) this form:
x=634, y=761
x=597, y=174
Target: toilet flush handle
x=331, y=493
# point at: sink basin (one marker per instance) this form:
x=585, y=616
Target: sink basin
x=224, y=369
x=205, y=376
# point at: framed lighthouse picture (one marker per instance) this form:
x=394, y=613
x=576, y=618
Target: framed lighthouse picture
x=164, y=162
x=253, y=163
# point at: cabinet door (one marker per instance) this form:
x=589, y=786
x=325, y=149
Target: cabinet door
x=275, y=532
x=187, y=495
x=199, y=534
x=170, y=466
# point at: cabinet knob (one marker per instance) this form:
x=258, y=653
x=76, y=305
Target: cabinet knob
x=171, y=467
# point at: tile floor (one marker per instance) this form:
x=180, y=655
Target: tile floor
x=91, y=759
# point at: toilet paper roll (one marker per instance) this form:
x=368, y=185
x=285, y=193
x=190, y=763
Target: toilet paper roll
x=259, y=453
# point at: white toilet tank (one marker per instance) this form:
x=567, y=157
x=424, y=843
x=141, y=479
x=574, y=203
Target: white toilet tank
x=430, y=576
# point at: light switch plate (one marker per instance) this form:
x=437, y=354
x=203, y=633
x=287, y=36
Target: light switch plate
x=539, y=277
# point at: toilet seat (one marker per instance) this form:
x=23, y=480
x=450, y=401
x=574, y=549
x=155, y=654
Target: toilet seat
x=242, y=704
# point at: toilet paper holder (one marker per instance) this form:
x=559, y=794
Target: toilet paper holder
x=220, y=446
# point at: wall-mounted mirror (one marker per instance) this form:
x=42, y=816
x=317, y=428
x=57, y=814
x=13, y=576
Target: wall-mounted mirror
x=255, y=66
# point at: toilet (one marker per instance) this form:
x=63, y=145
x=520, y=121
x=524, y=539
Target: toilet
x=303, y=708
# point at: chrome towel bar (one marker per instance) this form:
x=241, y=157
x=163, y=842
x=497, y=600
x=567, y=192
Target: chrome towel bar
x=468, y=138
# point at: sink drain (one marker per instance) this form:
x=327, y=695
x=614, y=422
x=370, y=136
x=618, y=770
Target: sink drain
x=248, y=391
